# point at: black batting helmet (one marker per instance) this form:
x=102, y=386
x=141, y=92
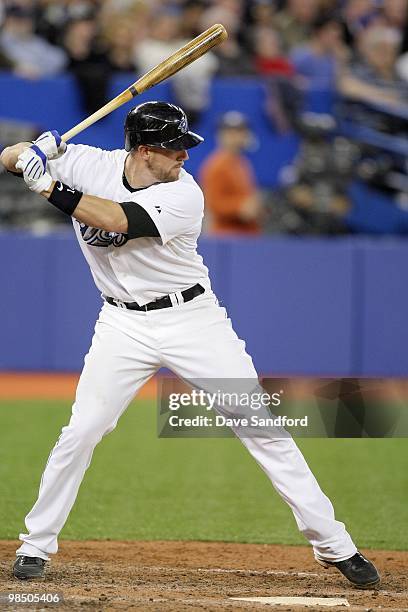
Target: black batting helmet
x=159, y=124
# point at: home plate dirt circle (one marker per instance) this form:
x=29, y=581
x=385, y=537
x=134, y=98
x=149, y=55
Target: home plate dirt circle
x=190, y=576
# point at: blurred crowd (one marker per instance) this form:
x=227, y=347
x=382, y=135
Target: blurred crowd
x=356, y=48
x=358, y=45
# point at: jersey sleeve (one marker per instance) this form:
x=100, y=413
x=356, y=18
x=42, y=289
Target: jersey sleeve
x=175, y=208
x=67, y=166
x=140, y=223
x=79, y=165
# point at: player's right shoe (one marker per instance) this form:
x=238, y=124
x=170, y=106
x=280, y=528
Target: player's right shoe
x=357, y=569
x=25, y=568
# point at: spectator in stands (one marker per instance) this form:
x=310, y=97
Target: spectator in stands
x=5, y=62
x=52, y=17
x=123, y=6
x=374, y=78
x=404, y=37
x=318, y=60
x=227, y=12
x=31, y=55
x=262, y=13
x=163, y=39
x=190, y=19
x=120, y=33
x=402, y=62
x=277, y=72
x=356, y=16
x=88, y=61
x=395, y=13
x=233, y=58
x=190, y=86
x=268, y=57
x=294, y=22
x=227, y=178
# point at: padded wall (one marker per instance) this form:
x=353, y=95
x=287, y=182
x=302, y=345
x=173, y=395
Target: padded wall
x=55, y=104
x=304, y=306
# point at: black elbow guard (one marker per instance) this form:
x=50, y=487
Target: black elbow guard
x=140, y=223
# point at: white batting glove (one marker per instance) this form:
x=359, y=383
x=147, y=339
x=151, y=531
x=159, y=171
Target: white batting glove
x=51, y=144
x=33, y=163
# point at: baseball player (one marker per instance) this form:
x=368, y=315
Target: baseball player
x=137, y=216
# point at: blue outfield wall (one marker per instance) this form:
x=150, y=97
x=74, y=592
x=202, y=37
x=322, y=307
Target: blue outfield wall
x=304, y=306
x=54, y=103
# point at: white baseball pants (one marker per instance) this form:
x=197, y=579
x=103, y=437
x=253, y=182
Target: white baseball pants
x=196, y=341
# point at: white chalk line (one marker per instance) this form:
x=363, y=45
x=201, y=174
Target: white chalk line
x=215, y=602
x=220, y=570
x=327, y=602
x=246, y=572
x=131, y=599
x=392, y=593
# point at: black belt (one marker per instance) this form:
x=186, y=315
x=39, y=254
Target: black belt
x=164, y=302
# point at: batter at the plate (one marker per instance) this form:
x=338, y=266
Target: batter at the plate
x=137, y=215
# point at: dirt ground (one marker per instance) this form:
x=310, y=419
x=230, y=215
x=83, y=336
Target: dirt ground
x=178, y=576
x=50, y=386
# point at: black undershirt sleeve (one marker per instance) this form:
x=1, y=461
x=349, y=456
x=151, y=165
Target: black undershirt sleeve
x=140, y=223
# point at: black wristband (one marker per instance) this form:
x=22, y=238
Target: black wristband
x=65, y=198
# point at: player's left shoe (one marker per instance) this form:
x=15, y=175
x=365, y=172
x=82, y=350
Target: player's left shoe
x=25, y=568
x=357, y=569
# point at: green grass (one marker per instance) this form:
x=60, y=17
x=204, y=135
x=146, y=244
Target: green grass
x=142, y=487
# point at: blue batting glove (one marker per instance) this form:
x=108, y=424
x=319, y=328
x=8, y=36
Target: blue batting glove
x=50, y=144
x=33, y=164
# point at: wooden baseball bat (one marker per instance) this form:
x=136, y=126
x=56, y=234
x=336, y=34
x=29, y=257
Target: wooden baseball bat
x=175, y=62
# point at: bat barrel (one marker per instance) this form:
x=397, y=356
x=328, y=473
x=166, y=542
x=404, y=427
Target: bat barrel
x=183, y=57
x=175, y=62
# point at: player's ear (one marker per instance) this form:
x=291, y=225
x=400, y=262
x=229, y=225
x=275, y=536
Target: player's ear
x=144, y=152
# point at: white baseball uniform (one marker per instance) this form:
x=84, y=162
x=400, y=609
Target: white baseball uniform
x=193, y=339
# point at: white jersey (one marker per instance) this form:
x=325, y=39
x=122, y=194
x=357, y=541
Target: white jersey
x=142, y=269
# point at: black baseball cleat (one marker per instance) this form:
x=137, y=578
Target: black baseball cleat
x=357, y=569
x=25, y=568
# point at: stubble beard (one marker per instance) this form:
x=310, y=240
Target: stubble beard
x=162, y=176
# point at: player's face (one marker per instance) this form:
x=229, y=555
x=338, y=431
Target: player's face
x=164, y=164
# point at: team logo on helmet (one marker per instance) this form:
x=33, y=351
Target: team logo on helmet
x=182, y=126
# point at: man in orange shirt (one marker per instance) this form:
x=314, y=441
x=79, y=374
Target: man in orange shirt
x=228, y=180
